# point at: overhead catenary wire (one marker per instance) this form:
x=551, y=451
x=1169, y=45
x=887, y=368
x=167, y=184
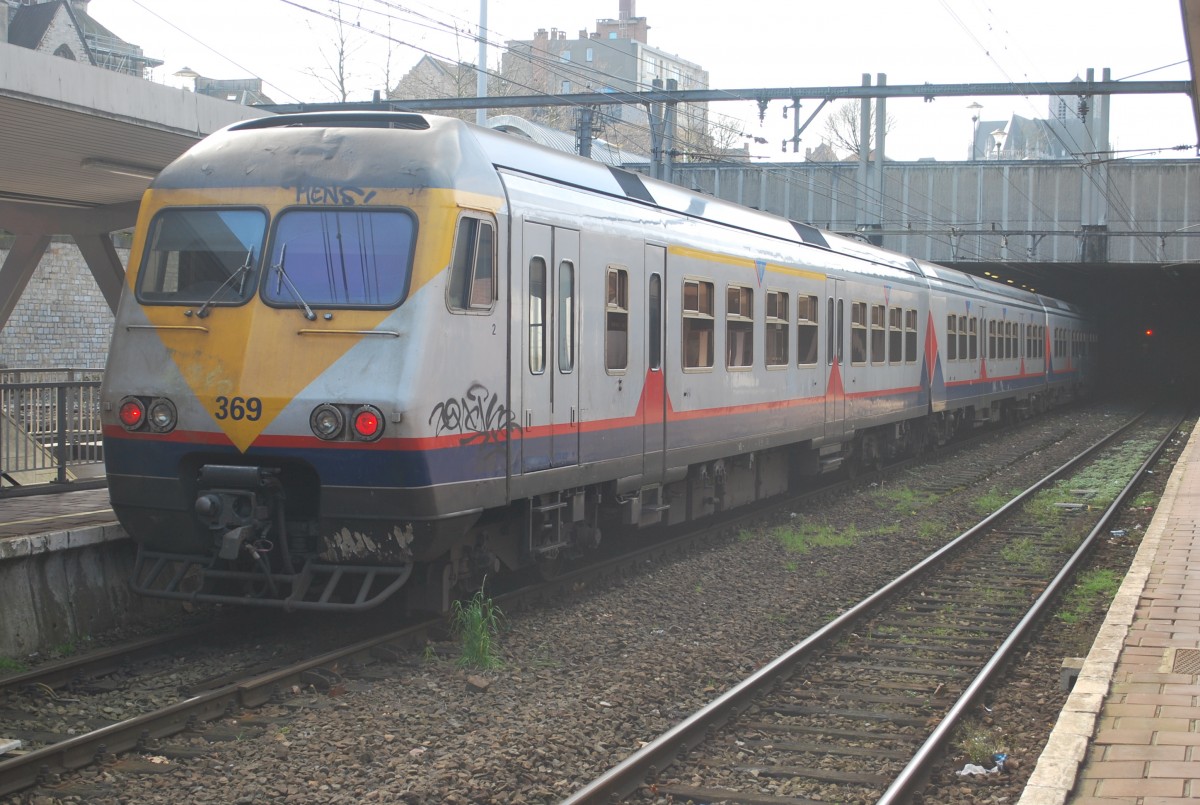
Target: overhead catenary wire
x=935, y=212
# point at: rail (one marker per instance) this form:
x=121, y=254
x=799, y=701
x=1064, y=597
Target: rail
x=50, y=433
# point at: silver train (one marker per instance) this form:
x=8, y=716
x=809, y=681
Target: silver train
x=359, y=352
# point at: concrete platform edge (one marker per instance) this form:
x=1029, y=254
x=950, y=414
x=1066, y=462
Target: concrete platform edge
x=1058, y=766
x=31, y=545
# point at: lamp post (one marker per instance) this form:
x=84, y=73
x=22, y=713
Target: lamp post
x=974, y=107
x=998, y=136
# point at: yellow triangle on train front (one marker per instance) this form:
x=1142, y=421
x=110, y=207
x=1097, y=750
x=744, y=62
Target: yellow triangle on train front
x=248, y=363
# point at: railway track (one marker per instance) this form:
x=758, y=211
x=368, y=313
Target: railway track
x=856, y=712
x=209, y=697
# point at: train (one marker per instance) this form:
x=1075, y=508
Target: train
x=361, y=352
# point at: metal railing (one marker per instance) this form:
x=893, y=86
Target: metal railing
x=50, y=430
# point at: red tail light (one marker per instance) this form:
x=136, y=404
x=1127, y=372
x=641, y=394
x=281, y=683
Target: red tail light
x=368, y=423
x=132, y=413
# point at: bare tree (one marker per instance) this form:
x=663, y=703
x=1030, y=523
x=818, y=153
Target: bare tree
x=843, y=128
x=336, y=75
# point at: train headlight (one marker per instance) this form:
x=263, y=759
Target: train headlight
x=368, y=423
x=162, y=415
x=326, y=421
x=132, y=413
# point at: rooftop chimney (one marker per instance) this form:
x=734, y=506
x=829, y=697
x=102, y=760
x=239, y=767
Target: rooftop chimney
x=627, y=10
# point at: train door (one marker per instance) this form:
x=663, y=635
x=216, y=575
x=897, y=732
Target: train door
x=654, y=398
x=550, y=377
x=835, y=357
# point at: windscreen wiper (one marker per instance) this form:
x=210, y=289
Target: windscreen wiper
x=283, y=277
x=241, y=272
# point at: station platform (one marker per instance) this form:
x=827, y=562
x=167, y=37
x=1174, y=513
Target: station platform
x=55, y=512
x=1129, y=733
x=65, y=564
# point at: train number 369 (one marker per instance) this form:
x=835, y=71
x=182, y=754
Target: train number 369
x=239, y=408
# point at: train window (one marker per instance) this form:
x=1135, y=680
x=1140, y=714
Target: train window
x=1011, y=329
x=991, y=349
x=616, y=320
x=472, y=284
x=198, y=256
x=878, y=334
x=537, y=315
x=807, y=330
x=973, y=338
x=895, y=335
x=654, y=325
x=841, y=331
x=340, y=258
x=951, y=337
x=698, y=324
x=835, y=336
x=566, y=316
x=962, y=338
x=777, y=328
x=910, y=336
x=739, y=327
x=858, y=332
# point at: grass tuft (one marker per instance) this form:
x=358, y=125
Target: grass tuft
x=1093, y=591
x=475, y=624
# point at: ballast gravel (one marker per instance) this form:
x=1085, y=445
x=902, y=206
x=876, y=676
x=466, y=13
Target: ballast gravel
x=586, y=680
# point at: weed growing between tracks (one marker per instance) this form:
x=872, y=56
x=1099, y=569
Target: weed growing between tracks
x=1093, y=592
x=475, y=624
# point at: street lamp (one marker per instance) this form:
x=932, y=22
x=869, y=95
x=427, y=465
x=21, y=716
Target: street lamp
x=998, y=136
x=974, y=107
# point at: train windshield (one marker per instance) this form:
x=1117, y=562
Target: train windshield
x=340, y=258
x=202, y=256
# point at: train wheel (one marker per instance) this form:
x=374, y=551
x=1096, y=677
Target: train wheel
x=551, y=566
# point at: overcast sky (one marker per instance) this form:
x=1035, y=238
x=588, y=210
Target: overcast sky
x=752, y=43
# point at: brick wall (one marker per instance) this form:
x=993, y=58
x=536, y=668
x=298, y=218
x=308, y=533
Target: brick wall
x=62, y=318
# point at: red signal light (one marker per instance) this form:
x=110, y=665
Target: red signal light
x=1149, y=332
x=368, y=423
x=132, y=413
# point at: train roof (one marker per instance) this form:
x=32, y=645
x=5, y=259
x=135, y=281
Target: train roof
x=465, y=156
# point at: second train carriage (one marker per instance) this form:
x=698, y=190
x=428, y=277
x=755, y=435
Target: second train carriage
x=355, y=345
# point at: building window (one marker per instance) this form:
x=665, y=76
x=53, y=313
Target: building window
x=777, y=328
x=566, y=87
x=739, y=327
x=616, y=339
x=565, y=55
x=697, y=324
x=589, y=54
x=806, y=330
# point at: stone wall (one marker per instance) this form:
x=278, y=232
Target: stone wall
x=62, y=319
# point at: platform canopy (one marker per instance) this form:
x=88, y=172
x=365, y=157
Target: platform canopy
x=80, y=145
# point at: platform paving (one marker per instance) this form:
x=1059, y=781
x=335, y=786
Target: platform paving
x=1130, y=731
